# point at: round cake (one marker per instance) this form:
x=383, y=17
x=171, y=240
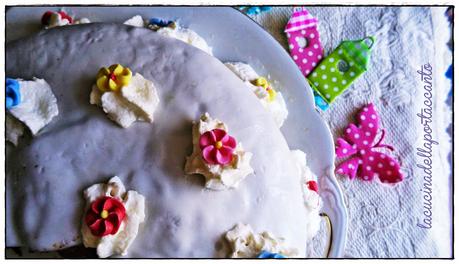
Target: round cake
x=49, y=174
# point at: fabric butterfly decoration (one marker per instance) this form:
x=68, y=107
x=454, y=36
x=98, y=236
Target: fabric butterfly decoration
x=366, y=161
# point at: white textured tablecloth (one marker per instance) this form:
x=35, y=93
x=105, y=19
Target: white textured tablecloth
x=383, y=220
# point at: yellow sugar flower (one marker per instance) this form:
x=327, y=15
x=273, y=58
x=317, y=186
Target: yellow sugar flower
x=113, y=78
x=262, y=82
x=271, y=93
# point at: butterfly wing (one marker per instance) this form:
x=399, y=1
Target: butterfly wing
x=344, y=149
x=365, y=133
x=367, y=164
x=380, y=165
x=348, y=167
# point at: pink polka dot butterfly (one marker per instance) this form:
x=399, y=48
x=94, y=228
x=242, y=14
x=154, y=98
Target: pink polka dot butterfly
x=366, y=162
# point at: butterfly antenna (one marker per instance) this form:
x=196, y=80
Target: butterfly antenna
x=379, y=145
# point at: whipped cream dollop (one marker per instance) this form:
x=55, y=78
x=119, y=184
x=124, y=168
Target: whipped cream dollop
x=277, y=107
x=136, y=101
x=134, y=204
x=14, y=129
x=184, y=34
x=37, y=108
x=82, y=20
x=135, y=21
x=312, y=200
x=218, y=177
x=245, y=243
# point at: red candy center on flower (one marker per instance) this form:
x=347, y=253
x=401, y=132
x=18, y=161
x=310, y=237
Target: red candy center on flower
x=217, y=147
x=105, y=216
x=112, y=76
x=312, y=185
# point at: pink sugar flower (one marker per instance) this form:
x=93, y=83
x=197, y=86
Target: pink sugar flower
x=217, y=146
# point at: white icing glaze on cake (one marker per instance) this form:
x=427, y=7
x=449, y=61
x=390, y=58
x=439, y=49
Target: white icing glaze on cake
x=133, y=202
x=218, y=177
x=277, y=108
x=46, y=175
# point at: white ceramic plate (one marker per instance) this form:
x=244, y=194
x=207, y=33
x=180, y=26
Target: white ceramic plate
x=235, y=37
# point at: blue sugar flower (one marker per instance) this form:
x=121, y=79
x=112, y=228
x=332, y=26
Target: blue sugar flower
x=13, y=96
x=266, y=254
x=159, y=22
x=255, y=10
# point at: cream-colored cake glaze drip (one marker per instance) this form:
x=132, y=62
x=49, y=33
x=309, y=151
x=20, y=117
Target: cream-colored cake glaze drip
x=46, y=175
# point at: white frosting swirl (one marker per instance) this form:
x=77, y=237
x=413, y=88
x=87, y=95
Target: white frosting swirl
x=218, y=177
x=82, y=20
x=184, y=34
x=37, y=108
x=136, y=101
x=135, y=21
x=133, y=202
x=277, y=108
x=312, y=200
x=244, y=243
x=188, y=36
